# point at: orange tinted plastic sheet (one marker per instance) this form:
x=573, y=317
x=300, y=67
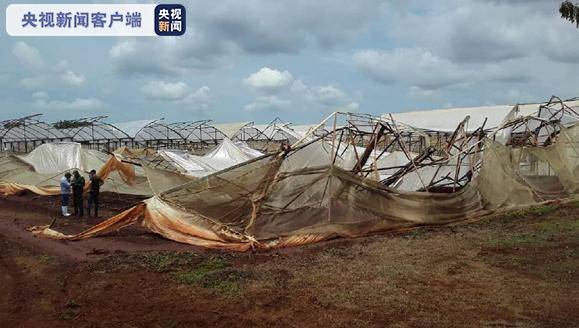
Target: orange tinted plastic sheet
x=119, y=221
x=126, y=171
x=189, y=228
x=174, y=224
x=162, y=219
x=15, y=188
x=135, y=152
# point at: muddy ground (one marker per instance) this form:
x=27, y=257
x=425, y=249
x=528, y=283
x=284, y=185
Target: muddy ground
x=513, y=270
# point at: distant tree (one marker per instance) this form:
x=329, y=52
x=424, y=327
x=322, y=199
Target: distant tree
x=570, y=12
x=65, y=124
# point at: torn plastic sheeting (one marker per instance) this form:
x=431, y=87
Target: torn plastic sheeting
x=117, y=222
x=125, y=171
x=171, y=223
x=307, y=196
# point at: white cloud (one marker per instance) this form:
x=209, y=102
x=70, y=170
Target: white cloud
x=179, y=93
x=134, y=58
x=28, y=55
x=62, y=66
x=40, y=95
x=123, y=48
x=299, y=87
x=34, y=82
x=300, y=97
x=43, y=101
x=324, y=97
x=68, y=76
x=351, y=107
x=200, y=100
x=329, y=95
x=269, y=80
x=72, y=78
x=200, y=95
x=161, y=90
x=45, y=76
x=45, y=80
x=267, y=103
x=416, y=66
x=417, y=92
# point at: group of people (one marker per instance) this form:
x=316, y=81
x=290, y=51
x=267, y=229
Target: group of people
x=74, y=184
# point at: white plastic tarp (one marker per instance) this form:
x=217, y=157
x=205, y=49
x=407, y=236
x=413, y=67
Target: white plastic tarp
x=446, y=120
x=227, y=154
x=231, y=129
x=252, y=153
x=134, y=127
x=59, y=157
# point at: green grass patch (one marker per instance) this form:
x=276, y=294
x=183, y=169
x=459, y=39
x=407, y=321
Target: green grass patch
x=169, y=323
x=345, y=298
x=45, y=258
x=566, y=266
x=573, y=204
x=213, y=273
x=556, y=265
x=67, y=315
x=551, y=228
x=563, y=267
x=201, y=271
x=152, y=261
x=515, y=240
x=564, y=226
x=532, y=211
x=71, y=311
x=165, y=261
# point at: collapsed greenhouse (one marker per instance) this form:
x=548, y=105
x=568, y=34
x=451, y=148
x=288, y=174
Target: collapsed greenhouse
x=351, y=175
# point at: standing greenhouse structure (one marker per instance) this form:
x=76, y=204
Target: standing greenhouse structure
x=23, y=134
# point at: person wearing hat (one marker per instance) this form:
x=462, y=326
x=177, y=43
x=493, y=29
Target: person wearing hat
x=64, y=193
x=77, y=191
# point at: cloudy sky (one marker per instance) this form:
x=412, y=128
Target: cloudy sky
x=254, y=60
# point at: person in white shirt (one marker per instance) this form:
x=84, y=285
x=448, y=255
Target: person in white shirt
x=65, y=193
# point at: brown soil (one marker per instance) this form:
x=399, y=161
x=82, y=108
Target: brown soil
x=516, y=270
